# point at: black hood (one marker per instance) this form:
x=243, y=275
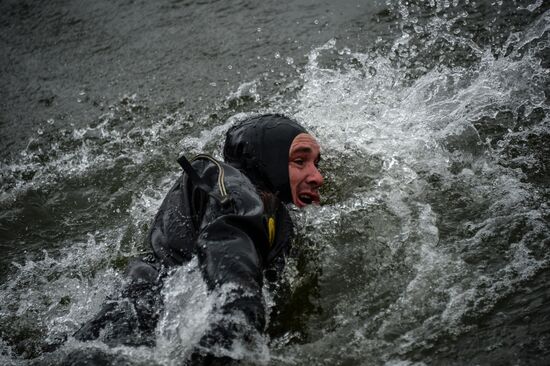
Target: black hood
x=259, y=147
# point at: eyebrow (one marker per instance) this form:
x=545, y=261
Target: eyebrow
x=303, y=149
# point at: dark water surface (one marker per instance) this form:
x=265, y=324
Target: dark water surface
x=432, y=247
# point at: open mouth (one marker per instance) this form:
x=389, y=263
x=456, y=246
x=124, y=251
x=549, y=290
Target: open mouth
x=308, y=199
x=305, y=199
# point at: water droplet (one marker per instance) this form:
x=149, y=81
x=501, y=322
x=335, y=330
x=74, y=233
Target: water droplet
x=50, y=121
x=277, y=55
x=229, y=67
x=39, y=131
x=316, y=21
x=289, y=60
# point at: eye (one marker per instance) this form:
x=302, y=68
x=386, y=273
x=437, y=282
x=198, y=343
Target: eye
x=299, y=161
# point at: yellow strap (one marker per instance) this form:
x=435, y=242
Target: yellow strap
x=271, y=230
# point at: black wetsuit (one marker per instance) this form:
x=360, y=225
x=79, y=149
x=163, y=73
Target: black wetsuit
x=237, y=225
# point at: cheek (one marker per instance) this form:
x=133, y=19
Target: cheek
x=293, y=177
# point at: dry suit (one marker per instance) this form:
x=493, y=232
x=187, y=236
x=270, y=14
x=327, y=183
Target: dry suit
x=232, y=217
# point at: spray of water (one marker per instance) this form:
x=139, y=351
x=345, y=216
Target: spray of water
x=431, y=224
x=436, y=202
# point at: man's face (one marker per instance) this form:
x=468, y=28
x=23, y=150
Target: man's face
x=305, y=178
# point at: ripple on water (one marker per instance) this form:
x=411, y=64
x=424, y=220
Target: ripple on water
x=435, y=227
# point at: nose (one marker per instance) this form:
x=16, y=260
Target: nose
x=314, y=177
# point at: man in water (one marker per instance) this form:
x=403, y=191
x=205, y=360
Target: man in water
x=233, y=217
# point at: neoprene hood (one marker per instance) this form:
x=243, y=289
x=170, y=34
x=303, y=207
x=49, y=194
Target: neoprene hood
x=259, y=147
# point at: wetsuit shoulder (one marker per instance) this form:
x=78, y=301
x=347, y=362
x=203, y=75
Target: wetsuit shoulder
x=189, y=206
x=172, y=232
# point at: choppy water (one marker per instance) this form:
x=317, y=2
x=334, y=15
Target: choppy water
x=432, y=245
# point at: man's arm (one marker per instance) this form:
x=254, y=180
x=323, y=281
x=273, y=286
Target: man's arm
x=231, y=247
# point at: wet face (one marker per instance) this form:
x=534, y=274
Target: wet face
x=305, y=178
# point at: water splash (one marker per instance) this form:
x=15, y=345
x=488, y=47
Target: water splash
x=189, y=313
x=121, y=138
x=422, y=194
x=434, y=150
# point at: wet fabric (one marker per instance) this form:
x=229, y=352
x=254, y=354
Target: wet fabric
x=231, y=243
x=232, y=217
